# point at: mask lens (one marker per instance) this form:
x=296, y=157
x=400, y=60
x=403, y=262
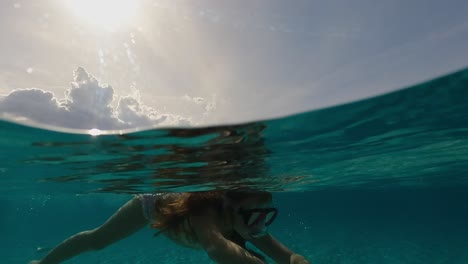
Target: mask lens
x=270, y=216
x=255, y=218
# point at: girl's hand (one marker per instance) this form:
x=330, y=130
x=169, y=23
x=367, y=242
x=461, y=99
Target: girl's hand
x=298, y=259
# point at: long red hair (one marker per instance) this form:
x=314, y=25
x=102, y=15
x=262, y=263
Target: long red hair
x=170, y=215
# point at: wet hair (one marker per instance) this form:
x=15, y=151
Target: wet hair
x=171, y=214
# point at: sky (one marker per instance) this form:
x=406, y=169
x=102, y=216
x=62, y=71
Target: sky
x=114, y=64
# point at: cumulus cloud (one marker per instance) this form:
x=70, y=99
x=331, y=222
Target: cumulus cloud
x=197, y=100
x=86, y=104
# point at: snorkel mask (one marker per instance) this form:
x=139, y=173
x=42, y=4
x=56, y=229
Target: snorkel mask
x=257, y=220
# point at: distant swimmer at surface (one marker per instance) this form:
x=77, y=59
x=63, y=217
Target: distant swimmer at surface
x=218, y=222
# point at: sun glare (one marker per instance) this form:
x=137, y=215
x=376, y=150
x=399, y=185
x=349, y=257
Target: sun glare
x=105, y=14
x=94, y=132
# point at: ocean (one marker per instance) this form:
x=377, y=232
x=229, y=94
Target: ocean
x=381, y=180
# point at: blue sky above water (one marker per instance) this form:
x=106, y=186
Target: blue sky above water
x=211, y=62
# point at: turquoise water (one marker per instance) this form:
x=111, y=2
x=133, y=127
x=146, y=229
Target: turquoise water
x=383, y=180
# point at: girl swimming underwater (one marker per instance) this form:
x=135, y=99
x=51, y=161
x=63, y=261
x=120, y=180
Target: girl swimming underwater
x=218, y=222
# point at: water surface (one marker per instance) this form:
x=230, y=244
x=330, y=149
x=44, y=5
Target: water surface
x=381, y=180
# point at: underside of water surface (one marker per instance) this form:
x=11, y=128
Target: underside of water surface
x=382, y=180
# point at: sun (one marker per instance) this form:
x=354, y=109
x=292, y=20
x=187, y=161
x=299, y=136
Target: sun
x=105, y=14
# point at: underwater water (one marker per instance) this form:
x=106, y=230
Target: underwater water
x=382, y=180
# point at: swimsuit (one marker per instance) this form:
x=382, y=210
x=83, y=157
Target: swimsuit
x=183, y=235
x=148, y=201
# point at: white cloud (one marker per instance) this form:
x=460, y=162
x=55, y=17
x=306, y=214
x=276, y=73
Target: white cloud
x=197, y=100
x=208, y=106
x=86, y=105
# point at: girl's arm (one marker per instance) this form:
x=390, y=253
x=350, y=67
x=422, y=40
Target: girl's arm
x=218, y=248
x=126, y=221
x=277, y=251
